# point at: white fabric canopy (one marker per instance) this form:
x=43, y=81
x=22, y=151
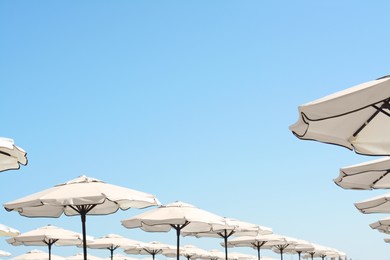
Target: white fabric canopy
x=6, y=231
x=365, y=176
x=356, y=118
x=11, y=156
x=378, y=204
x=80, y=256
x=37, y=255
x=382, y=225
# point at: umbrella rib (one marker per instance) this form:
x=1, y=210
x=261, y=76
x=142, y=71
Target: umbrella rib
x=378, y=109
x=7, y=154
x=382, y=176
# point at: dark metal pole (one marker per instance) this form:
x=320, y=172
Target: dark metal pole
x=112, y=252
x=178, y=243
x=225, y=238
x=299, y=254
x=49, y=245
x=281, y=253
x=258, y=253
x=83, y=220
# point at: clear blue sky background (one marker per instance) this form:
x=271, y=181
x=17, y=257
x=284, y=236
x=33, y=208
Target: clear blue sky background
x=191, y=101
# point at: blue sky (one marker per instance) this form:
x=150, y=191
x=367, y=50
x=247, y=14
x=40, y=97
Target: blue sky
x=191, y=101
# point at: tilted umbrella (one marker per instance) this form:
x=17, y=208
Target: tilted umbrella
x=37, y=255
x=11, y=156
x=382, y=225
x=378, y=204
x=80, y=256
x=152, y=248
x=256, y=242
x=82, y=196
x=179, y=216
x=357, y=118
x=112, y=242
x=47, y=236
x=229, y=228
x=365, y=176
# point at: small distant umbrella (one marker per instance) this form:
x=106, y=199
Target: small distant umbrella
x=47, y=236
x=229, y=228
x=299, y=247
x=286, y=243
x=112, y=242
x=152, y=248
x=213, y=254
x=256, y=242
x=357, y=118
x=3, y=253
x=382, y=225
x=11, y=156
x=241, y=256
x=179, y=216
x=37, y=255
x=82, y=196
x=188, y=251
x=80, y=256
x=121, y=257
x=8, y=231
x=365, y=176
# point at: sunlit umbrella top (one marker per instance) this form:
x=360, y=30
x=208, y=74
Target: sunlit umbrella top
x=37, y=255
x=6, y=231
x=357, y=118
x=11, y=156
x=83, y=190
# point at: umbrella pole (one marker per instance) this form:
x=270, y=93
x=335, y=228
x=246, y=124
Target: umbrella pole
x=83, y=220
x=258, y=253
x=299, y=254
x=178, y=229
x=112, y=252
x=49, y=246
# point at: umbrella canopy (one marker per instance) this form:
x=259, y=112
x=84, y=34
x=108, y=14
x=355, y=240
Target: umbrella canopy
x=256, y=242
x=179, y=216
x=298, y=247
x=365, y=176
x=228, y=228
x=121, y=257
x=81, y=196
x=241, y=256
x=112, y=242
x=356, y=118
x=188, y=251
x=378, y=204
x=4, y=253
x=37, y=255
x=80, y=256
x=47, y=236
x=382, y=225
x=8, y=231
x=11, y=156
x=152, y=248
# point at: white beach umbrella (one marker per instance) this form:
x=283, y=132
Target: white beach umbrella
x=256, y=242
x=179, y=216
x=241, y=256
x=80, y=256
x=229, y=228
x=11, y=156
x=82, y=196
x=6, y=231
x=112, y=242
x=152, y=248
x=4, y=253
x=299, y=247
x=37, y=255
x=121, y=257
x=47, y=236
x=213, y=254
x=188, y=251
x=365, y=176
x=378, y=204
x=382, y=225
x=285, y=244
x=357, y=118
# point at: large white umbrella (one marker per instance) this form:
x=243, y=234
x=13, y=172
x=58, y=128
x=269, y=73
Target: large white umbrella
x=256, y=242
x=11, y=156
x=47, y=236
x=365, y=176
x=37, y=255
x=357, y=118
x=82, y=196
x=152, y=248
x=112, y=242
x=179, y=216
x=229, y=228
x=80, y=256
